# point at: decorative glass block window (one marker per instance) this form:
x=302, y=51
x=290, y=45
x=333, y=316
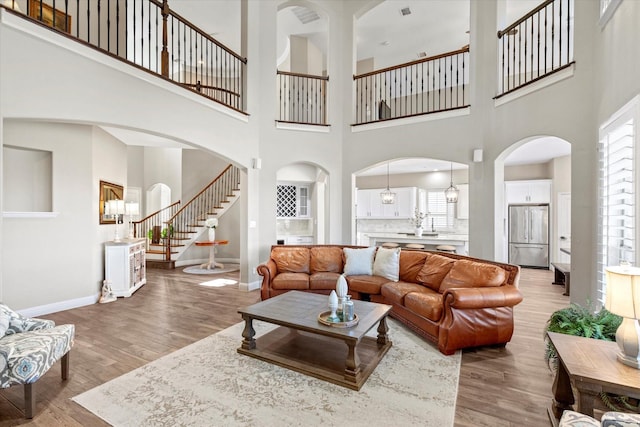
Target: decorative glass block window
x=617, y=222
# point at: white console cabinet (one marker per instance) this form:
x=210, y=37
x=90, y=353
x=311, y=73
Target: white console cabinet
x=124, y=266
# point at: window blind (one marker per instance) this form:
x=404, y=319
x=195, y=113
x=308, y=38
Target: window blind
x=617, y=197
x=441, y=212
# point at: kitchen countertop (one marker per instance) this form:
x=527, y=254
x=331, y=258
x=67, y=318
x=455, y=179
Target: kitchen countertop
x=440, y=239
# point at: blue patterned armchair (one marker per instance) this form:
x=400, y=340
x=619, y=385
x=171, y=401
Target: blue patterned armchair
x=28, y=348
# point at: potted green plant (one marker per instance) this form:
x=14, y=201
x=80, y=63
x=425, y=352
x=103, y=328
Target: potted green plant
x=583, y=322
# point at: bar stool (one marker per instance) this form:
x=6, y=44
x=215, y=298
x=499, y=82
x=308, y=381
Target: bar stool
x=389, y=245
x=446, y=248
x=414, y=246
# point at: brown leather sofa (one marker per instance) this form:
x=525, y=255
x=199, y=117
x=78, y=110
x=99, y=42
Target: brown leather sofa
x=453, y=300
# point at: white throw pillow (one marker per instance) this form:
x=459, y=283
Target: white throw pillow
x=387, y=263
x=359, y=261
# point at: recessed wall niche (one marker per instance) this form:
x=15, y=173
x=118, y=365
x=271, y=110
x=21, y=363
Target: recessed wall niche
x=27, y=180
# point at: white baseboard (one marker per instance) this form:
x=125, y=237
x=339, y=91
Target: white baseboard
x=59, y=306
x=187, y=262
x=249, y=287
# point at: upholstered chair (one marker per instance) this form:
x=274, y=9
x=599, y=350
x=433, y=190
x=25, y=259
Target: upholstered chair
x=609, y=419
x=28, y=348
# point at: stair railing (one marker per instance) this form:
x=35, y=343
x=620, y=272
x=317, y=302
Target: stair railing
x=153, y=227
x=536, y=45
x=150, y=36
x=430, y=85
x=303, y=98
x=187, y=220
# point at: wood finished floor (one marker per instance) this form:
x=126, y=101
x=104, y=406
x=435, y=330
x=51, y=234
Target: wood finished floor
x=498, y=386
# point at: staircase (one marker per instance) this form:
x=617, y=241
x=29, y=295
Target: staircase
x=172, y=230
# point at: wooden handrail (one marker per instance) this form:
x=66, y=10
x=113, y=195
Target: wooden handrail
x=156, y=213
x=198, y=85
x=201, y=192
x=524, y=18
x=408, y=64
x=307, y=76
x=205, y=35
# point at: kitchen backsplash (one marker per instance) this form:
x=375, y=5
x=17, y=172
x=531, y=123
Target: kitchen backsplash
x=294, y=227
x=461, y=226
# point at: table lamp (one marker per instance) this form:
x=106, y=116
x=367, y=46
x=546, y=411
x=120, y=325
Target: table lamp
x=623, y=299
x=133, y=210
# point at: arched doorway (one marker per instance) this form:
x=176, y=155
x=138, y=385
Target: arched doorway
x=535, y=171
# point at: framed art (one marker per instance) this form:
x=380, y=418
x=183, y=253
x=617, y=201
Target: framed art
x=45, y=13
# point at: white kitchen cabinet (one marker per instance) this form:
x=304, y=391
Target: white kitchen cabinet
x=293, y=200
x=124, y=266
x=369, y=204
x=532, y=191
x=462, y=207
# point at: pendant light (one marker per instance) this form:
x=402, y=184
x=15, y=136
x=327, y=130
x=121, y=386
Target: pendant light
x=451, y=193
x=387, y=197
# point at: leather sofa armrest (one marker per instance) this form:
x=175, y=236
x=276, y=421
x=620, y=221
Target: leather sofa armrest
x=468, y=298
x=268, y=271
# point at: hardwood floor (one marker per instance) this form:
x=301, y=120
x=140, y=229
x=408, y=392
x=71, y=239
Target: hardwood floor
x=498, y=386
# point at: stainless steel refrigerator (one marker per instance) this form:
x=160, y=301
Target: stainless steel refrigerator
x=529, y=235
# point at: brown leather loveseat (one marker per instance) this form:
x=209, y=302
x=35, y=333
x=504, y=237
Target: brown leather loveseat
x=453, y=300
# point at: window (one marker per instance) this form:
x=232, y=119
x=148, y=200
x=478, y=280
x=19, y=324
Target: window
x=607, y=9
x=617, y=222
x=441, y=213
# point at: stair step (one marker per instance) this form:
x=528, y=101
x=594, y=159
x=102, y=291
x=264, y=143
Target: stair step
x=157, y=252
x=162, y=264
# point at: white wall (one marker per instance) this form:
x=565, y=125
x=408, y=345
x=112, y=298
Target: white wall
x=603, y=80
x=60, y=259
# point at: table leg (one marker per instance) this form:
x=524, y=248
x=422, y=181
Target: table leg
x=352, y=371
x=249, y=342
x=562, y=393
x=212, y=264
x=383, y=337
x=585, y=402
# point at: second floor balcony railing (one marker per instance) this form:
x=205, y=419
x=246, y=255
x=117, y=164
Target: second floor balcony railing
x=302, y=98
x=435, y=84
x=149, y=35
x=536, y=45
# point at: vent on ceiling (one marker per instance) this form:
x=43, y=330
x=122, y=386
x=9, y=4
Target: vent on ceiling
x=305, y=15
x=405, y=11
x=422, y=54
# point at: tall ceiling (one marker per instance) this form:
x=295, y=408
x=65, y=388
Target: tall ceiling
x=383, y=34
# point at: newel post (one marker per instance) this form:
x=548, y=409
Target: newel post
x=165, y=50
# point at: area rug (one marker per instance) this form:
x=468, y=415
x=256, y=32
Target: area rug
x=209, y=384
x=195, y=269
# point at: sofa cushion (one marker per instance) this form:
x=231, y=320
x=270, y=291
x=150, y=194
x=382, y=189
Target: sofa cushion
x=394, y=292
x=291, y=281
x=359, y=261
x=291, y=259
x=411, y=262
x=427, y=304
x=435, y=269
x=323, y=280
x=387, y=263
x=366, y=284
x=473, y=274
x=326, y=259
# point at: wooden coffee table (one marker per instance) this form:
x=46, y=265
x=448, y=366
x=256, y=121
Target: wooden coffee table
x=343, y=356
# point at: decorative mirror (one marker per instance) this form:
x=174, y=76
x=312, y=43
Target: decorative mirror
x=111, y=203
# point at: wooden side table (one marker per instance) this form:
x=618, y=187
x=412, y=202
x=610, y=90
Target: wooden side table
x=212, y=264
x=591, y=367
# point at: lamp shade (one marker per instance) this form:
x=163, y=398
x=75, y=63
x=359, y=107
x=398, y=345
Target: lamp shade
x=623, y=291
x=132, y=208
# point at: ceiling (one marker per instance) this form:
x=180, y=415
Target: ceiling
x=384, y=34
